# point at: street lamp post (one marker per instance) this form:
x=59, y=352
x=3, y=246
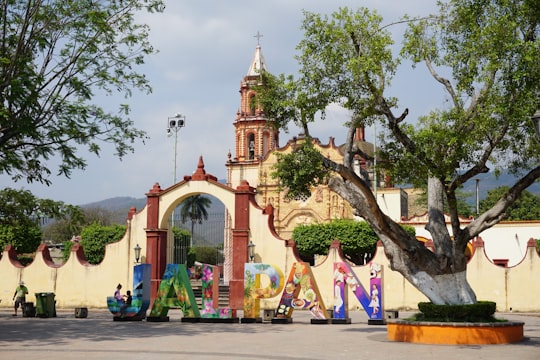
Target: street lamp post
x=174, y=124
x=251, y=251
x=137, y=250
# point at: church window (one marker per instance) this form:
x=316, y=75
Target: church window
x=251, y=146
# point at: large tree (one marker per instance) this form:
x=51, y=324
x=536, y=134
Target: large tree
x=21, y=214
x=484, y=56
x=56, y=58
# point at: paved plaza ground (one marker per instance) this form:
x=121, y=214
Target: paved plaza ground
x=99, y=337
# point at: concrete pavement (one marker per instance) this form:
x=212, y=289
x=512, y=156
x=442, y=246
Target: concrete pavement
x=98, y=337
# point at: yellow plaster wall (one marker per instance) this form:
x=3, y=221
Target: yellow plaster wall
x=77, y=284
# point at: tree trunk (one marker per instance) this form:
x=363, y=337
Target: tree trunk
x=435, y=274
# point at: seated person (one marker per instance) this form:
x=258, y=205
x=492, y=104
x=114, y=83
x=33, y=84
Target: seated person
x=127, y=303
x=117, y=295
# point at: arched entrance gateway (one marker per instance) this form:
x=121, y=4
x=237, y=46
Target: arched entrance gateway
x=239, y=229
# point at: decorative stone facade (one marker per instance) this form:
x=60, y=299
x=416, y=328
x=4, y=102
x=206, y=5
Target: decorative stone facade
x=256, y=148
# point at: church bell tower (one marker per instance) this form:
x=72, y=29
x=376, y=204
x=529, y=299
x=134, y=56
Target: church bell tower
x=254, y=137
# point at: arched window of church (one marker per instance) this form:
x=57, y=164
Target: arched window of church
x=252, y=105
x=251, y=146
x=266, y=143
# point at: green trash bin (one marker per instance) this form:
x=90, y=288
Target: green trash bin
x=45, y=305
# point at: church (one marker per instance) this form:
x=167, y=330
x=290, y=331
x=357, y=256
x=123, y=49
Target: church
x=256, y=146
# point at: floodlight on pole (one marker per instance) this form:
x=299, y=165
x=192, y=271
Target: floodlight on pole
x=174, y=124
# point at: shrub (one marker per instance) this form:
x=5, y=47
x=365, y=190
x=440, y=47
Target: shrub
x=482, y=311
x=207, y=254
x=93, y=240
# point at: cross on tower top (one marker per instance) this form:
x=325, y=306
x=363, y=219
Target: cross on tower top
x=258, y=36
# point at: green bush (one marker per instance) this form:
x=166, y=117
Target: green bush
x=482, y=311
x=25, y=259
x=93, y=240
x=356, y=237
x=207, y=255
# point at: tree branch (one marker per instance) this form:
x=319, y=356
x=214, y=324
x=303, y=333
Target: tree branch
x=496, y=213
x=445, y=82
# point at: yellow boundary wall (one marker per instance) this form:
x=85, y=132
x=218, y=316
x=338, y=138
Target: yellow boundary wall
x=77, y=283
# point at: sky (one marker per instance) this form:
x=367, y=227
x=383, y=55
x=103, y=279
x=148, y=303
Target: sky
x=205, y=49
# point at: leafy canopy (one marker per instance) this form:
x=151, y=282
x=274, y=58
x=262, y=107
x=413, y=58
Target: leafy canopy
x=483, y=55
x=302, y=167
x=357, y=238
x=93, y=240
x=194, y=208
x=56, y=58
x=21, y=214
x=526, y=207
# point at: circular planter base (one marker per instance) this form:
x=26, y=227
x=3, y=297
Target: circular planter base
x=455, y=333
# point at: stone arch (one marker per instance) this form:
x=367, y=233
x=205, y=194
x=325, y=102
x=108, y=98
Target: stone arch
x=161, y=203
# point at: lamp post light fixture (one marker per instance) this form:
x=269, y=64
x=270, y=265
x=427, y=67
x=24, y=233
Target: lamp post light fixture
x=251, y=251
x=174, y=124
x=137, y=250
x=536, y=122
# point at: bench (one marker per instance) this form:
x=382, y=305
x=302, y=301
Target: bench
x=134, y=312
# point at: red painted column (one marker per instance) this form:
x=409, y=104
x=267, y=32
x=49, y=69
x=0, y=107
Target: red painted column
x=240, y=240
x=156, y=240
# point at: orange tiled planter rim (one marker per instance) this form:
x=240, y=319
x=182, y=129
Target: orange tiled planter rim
x=453, y=333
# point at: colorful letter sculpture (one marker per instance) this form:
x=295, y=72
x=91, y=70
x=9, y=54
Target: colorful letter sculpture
x=174, y=290
x=301, y=280
x=140, y=295
x=210, y=295
x=371, y=302
x=252, y=287
x=300, y=291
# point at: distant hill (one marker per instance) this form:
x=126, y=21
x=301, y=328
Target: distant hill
x=488, y=182
x=208, y=233
x=121, y=205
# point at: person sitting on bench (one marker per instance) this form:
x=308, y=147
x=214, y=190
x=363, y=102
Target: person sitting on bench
x=127, y=303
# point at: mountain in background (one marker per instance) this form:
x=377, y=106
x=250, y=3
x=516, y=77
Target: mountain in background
x=488, y=182
x=121, y=205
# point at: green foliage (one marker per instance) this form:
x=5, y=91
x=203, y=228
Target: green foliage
x=482, y=311
x=57, y=57
x=356, y=237
x=208, y=254
x=20, y=216
x=464, y=209
x=25, y=260
x=300, y=170
x=411, y=230
x=538, y=246
x=93, y=240
x=24, y=238
x=489, y=51
x=64, y=229
x=484, y=58
x=191, y=257
x=194, y=208
x=179, y=233
x=526, y=207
